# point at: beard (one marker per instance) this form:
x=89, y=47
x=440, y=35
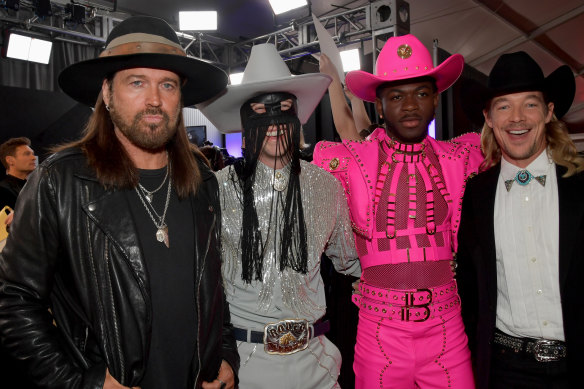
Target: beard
x=533, y=149
x=146, y=136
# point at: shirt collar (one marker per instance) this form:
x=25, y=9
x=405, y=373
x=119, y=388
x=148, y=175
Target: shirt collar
x=539, y=166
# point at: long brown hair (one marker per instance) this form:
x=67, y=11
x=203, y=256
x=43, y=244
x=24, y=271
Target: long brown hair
x=115, y=169
x=562, y=150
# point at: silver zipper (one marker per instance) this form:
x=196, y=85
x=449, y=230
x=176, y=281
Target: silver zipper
x=91, y=259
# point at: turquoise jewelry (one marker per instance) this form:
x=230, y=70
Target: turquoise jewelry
x=524, y=177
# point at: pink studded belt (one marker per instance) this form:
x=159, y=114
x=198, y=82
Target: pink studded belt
x=407, y=305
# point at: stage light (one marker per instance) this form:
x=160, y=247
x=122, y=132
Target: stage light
x=42, y=8
x=350, y=59
x=40, y=51
x=233, y=144
x=77, y=13
x=235, y=78
x=18, y=47
x=197, y=20
x=432, y=128
x=281, y=6
x=12, y=4
x=29, y=49
x=386, y=13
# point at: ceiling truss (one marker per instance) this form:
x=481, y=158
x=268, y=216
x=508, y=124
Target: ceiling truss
x=530, y=32
x=297, y=40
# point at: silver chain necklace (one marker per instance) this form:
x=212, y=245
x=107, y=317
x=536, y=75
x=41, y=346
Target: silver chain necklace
x=161, y=227
x=149, y=194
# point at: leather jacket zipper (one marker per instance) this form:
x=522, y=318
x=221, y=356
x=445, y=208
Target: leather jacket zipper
x=116, y=347
x=198, y=298
x=115, y=317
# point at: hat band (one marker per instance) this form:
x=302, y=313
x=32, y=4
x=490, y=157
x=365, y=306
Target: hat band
x=143, y=48
x=141, y=37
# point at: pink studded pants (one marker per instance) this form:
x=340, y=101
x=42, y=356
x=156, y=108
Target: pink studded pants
x=411, y=339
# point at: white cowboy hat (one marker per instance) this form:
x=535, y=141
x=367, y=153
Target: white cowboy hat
x=265, y=72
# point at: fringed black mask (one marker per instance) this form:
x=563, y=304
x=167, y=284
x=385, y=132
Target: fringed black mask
x=292, y=251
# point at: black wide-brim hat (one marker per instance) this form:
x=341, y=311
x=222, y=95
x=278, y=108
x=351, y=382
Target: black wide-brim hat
x=143, y=42
x=518, y=72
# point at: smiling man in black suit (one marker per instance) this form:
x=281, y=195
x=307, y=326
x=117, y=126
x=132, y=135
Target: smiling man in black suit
x=522, y=228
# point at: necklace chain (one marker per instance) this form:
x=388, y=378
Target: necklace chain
x=161, y=227
x=149, y=194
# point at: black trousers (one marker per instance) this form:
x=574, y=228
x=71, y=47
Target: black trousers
x=511, y=370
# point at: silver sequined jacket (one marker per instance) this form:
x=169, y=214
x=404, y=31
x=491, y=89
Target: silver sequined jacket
x=287, y=294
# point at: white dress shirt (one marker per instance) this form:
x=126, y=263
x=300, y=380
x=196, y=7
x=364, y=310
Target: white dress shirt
x=527, y=248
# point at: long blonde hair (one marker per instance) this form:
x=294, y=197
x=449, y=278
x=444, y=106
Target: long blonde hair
x=561, y=148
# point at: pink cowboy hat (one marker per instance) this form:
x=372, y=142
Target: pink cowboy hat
x=402, y=58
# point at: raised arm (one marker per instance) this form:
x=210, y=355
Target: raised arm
x=360, y=115
x=342, y=115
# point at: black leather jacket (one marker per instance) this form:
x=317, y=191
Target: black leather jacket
x=74, y=250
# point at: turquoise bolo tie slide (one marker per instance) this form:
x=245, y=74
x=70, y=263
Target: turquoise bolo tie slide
x=524, y=177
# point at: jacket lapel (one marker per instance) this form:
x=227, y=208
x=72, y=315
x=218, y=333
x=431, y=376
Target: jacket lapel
x=484, y=205
x=111, y=212
x=571, y=210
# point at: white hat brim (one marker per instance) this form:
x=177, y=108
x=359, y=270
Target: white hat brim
x=223, y=110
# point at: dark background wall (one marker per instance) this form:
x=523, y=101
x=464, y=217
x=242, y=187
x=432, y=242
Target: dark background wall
x=47, y=118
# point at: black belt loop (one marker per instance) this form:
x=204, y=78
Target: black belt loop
x=241, y=334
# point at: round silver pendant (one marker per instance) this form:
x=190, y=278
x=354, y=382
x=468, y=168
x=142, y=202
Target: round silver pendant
x=280, y=181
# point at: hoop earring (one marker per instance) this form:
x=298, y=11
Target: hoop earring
x=107, y=108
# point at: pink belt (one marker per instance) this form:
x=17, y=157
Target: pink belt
x=407, y=305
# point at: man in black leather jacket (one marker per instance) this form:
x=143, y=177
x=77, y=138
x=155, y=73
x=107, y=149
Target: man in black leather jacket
x=111, y=275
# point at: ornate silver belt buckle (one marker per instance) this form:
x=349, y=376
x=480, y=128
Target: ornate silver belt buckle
x=548, y=351
x=286, y=336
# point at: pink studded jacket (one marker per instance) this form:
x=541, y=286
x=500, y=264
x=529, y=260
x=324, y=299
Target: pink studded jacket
x=356, y=164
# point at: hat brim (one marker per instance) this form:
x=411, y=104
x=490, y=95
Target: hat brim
x=364, y=85
x=224, y=110
x=559, y=87
x=473, y=97
x=82, y=81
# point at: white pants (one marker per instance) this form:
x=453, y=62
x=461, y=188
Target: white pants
x=316, y=367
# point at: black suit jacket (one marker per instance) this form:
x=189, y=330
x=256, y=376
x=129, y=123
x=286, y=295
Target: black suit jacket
x=10, y=187
x=477, y=275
